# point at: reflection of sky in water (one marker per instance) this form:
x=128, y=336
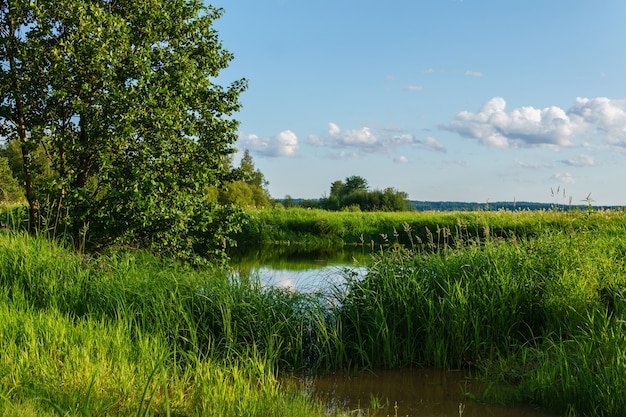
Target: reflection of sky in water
x=309, y=280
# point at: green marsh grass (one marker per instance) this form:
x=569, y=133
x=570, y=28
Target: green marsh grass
x=543, y=315
x=321, y=229
x=128, y=334
x=531, y=301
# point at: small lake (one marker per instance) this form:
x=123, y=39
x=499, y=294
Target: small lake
x=416, y=392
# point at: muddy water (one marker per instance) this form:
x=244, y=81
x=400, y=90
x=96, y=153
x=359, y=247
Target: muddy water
x=417, y=393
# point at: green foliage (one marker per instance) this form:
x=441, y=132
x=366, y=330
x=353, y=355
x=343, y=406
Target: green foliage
x=10, y=189
x=119, y=96
x=129, y=334
x=354, y=194
x=250, y=191
x=542, y=313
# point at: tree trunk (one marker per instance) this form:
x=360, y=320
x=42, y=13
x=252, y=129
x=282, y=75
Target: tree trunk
x=20, y=124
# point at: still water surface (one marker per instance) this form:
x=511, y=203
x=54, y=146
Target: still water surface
x=301, y=270
x=417, y=392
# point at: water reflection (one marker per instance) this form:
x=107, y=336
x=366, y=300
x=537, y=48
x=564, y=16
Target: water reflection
x=307, y=280
x=301, y=270
x=416, y=392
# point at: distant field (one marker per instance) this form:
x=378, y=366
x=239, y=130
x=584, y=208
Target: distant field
x=324, y=228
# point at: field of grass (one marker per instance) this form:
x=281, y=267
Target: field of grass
x=543, y=315
x=320, y=228
x=534, y=302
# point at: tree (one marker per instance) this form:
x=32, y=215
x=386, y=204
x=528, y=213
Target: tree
x=250, y=190
x=120, y=96
x=353, y=194
x=355, y=183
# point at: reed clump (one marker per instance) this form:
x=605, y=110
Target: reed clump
x=543, y=315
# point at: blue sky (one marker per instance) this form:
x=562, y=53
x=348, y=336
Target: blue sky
x=447, y=100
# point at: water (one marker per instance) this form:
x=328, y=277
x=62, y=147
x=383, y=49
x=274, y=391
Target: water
x=417, y=392
x=302, y=271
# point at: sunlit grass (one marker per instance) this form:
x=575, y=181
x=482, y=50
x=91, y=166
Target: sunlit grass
x=132, y=335
x=534, y=301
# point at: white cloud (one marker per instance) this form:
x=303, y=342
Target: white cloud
x=566, y=178
x=415, y=88
x=367, y=140
x=285, y=144
x=581, y=161
x=606, y=117
x=523, y=127
x=533, y=165
x=473, y=73
x=401, y=160
x=596, y=119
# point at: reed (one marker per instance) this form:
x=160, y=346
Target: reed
x=128, y=334
x=543, y=314
x=318, y=228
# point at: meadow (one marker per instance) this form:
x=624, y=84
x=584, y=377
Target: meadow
x=533, y=302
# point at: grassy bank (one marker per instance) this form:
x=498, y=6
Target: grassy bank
x=542, y=313
x=132, y=335
x=319, y=228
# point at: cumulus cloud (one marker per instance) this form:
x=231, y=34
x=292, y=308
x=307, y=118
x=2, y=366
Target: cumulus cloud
x=432, y=144
x=493, y=125
x=366, y=140
x=285, y=144
x=604, y=117
x=523, y=127
x=580, y=161
x=401, y=159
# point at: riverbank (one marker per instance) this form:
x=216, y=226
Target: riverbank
x=541, y=315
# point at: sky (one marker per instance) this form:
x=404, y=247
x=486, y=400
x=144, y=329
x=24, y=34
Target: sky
x=446, y=100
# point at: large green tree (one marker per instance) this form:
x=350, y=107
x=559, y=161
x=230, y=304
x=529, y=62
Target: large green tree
x=120, y=95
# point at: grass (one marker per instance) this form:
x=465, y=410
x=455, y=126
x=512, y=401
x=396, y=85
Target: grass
x=534, y=302
x=544, y=315
x=319, y=229
x=128, y=334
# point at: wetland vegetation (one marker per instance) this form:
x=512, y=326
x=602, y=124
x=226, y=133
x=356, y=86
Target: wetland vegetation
x=531, y=302
x=116, y=295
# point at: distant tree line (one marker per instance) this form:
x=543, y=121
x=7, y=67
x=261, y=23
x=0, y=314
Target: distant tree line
x=464, y=206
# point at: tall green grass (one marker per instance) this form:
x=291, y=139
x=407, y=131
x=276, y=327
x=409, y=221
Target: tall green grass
x=544, y=315
x=128, y=334
x=320, y=228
